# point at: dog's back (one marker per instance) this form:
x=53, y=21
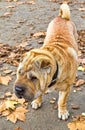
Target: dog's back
x=62, y=28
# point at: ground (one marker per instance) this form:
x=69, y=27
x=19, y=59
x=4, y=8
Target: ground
x=19, y=20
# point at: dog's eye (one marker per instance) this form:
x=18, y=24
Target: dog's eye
x=33, y=78
x=21, y=72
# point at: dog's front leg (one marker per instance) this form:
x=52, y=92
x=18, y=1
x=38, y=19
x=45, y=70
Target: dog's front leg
x=62, y=110
x=37, y=102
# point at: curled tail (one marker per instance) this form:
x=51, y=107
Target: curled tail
x=64, y=11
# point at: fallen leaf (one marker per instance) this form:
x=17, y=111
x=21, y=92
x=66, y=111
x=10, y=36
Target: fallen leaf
x=77, y=124
x=55, y=106
x=12, y=117
x=14, y=98
x=80, y=82
x=7, y=14
x=24, y=44
x=81, y=9
x=53, y=100
x=79, y=89
x=81, y=68
x=5, y=80
x=8, y=71
x=12, y=0
x=10, y=104
x=19, y=128
x=18, y=114
x=30, y=2
x=2, y=107
x=21, y=100
x=10, y=6
x=5, y=113
x=20, y=3
x=73, y=106
x=39, y=34
x=8, y=94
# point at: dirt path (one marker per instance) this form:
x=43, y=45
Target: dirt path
x=18, y=21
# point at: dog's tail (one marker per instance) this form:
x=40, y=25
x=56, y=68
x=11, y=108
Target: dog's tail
x=64, y=11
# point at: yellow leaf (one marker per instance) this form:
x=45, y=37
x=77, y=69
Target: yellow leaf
x=81, y=68
x=10, y=104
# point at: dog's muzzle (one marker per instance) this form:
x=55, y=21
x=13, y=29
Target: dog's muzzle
x=19, y=91
x=22, y=92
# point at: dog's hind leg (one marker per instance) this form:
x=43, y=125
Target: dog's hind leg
x=62, y=110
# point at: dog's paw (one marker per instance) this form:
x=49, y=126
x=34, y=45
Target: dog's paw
x=35, y=104
x=63, y=114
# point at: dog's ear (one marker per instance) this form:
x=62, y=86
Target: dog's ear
x=43, y=64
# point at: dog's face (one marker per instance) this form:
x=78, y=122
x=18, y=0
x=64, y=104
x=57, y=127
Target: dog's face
x=33, y=75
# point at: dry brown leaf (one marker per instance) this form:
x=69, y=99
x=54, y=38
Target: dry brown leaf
x=12, y=55
x=18, y=114
x=21, y=100
x=39, y=34
x=53, y=100
x=5, y=113
x=19, y=128
x=73, y=106
x=14, y=97
x=12, y=0
x=7, y=14
x=55, y=106
x=10, y=6
x=24, y=44
x=77, y=124
x=30, y=2
x=82, y=9
x=5, y=80
x=8, y=71
x=7, y=94
x=80, y=82
x=12, y=117
x=2, y=107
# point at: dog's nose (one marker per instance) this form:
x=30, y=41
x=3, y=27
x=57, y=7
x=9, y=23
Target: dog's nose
x=19, y=90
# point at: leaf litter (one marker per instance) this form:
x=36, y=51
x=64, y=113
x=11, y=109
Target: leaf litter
x=5, y=80
x=78, y=123
x=13, y=108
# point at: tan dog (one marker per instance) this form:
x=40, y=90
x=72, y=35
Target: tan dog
x=53, y=65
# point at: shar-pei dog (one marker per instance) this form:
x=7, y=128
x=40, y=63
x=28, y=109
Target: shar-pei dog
x=54, y=65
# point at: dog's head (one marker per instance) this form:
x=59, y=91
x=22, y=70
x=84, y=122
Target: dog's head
x=34, y=74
